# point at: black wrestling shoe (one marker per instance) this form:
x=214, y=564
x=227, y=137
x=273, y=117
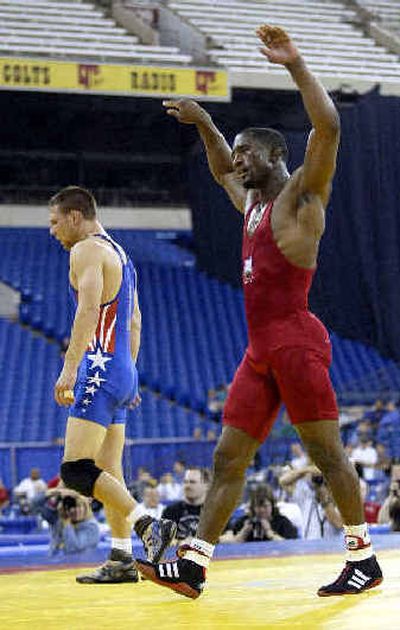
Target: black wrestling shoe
x=156, y=536
x=118, y=568
x=355, y=578
x=183, y=576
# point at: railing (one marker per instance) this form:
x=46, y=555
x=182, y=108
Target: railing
x=158, y=455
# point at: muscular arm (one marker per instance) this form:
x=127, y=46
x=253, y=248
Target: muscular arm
x=136, y=327
x=320, y=158
x=217, y=149
x=87, y=271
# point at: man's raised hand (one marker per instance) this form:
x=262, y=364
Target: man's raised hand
x=278, y=47
x=186, y=111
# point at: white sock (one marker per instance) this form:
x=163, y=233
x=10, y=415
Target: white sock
x=136, y=514
x=357, y=542
x=200, y=552
x=122, y=544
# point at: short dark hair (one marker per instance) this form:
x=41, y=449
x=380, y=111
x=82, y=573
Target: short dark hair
x=269, y=138
x=205, y=475
x=75, y=198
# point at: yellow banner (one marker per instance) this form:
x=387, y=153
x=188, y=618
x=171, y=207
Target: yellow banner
x=165, y=81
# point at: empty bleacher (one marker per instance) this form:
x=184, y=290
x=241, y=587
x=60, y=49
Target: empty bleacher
x=327, y=33
x=73, y=30
x=193, y=337
x=386, y=11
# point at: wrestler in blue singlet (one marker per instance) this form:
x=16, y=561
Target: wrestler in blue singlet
x=107, y=377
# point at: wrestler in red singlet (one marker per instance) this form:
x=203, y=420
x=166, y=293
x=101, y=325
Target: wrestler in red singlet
x=289, y=351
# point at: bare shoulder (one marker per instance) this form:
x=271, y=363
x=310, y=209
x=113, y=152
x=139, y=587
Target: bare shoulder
x=86, y=251
x=293, y=193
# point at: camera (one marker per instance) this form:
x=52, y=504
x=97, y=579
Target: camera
x=68, y=503
x=317, y=480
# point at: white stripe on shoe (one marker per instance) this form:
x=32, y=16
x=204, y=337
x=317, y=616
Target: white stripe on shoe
x=168, y=570
x=355, y=578
x=351, y=583
x=361, y=574
x=175, y=570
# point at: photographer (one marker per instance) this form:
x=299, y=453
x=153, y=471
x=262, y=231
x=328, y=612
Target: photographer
x=390, y=510
x=307, y=487
x=72, y=525
x=264, y=521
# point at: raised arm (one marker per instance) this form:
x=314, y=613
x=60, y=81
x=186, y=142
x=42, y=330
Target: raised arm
x=290, y=477
x=86, y=266
x=320, y=158
x=217, y=149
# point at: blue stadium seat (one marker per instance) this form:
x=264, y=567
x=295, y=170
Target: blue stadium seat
x=194, y=335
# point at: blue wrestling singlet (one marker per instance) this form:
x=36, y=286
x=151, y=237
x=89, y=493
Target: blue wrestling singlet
x=107, y=376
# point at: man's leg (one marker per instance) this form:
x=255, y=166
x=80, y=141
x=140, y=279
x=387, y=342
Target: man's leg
x=323, y=444
x=233, y=454
x=83, y=443
x=120, y=565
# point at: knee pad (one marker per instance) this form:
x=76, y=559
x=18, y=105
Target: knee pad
x=80, y=475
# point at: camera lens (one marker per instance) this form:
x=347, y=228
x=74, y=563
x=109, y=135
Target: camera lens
x=69, y=502
x=318, y=480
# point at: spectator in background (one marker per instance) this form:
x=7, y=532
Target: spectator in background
x=376, y=414
x=72, y=525
x=143, y=479
x=151, y=502
x=388, y=424
x=299, y=457
x=363, y=483
x=169, y=489
x=364, y=453
x=363, y=432
x=186, y=513
x=263, y=522
x=307, y=487
x=255, y=475
x=216, y=400
x=28, y=489
x=4, y=496
x=178, y=470
x=390, y=510
x=384, y=461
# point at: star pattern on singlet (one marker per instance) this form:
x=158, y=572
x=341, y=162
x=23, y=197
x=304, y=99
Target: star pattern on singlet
x=98, y=359
x=94, y=381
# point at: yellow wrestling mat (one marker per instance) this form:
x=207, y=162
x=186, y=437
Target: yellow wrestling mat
x=249, y=594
